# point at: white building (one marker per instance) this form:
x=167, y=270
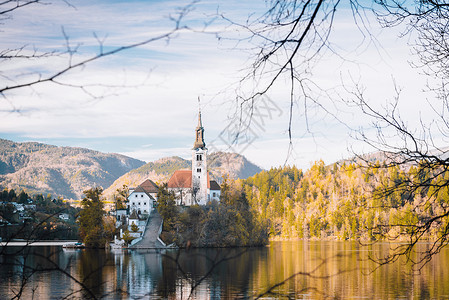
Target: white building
x=141, y=202
x=214, y=190
x=135, y=220
x=64, y=216
x=142, y=199
x=121, y=217
x=194, y=186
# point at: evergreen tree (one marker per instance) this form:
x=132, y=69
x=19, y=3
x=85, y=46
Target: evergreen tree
x=91, y=219
x=23, y=197
x=166, y=206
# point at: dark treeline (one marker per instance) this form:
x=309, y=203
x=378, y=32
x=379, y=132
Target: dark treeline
x=11, y=196
x=36, y=217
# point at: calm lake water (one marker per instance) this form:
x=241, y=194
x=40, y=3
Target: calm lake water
x=299, y=269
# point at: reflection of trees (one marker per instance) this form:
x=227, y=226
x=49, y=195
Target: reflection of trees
x=208, y=272
x=316, y=269
x=358, y=276
x=90, y=270
x=29, y=272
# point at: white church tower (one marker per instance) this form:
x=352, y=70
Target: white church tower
x=199, y=166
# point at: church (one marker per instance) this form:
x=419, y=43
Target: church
x=194, y=186
x=191, y=187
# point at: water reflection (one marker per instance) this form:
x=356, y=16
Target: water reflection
x=297, y=269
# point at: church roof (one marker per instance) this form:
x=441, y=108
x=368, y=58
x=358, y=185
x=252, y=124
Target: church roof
x=183, y=179
x=214, y=185
x=180, y=179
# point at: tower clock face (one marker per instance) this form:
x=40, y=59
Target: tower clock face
x=198, y=163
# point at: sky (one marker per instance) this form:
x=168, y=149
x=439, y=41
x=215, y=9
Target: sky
x=143, y=102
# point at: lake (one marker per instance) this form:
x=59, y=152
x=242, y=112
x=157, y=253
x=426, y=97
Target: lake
x=296, y=269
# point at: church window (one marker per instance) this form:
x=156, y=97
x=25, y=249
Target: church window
x=136, y=195
x=198, y=170
x=141, y=196
x=213, y=194
x=139, y=203
x=199, y=157
x=144, y=203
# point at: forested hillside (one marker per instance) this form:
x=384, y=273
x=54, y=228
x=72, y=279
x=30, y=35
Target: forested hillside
x=343, y=201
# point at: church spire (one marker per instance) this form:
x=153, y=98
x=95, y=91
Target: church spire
x=199, y=131
x=200, y=124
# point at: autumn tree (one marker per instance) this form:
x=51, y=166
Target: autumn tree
x=91, y=222
x=127, y=237
x=166, y=206
x=134, y=227
x=121, y=197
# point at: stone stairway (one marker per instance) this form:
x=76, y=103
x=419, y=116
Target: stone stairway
x=150, y=238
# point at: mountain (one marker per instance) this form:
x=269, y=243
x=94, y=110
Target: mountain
x=61, y=171
x=218, y=163
x=404, y=160
x=232, y=164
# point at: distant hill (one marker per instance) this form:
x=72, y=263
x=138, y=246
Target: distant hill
x=61, y=171
x=232, y=164
x=219, y=164
x=405, y=161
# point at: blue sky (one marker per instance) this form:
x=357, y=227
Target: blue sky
x=148, y=104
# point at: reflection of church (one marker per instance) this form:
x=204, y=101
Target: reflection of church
x=194, y=186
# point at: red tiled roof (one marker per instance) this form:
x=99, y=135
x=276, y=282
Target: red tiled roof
x=149, y=186
x=183, y=179
x=180, y=179
x=139, y=189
